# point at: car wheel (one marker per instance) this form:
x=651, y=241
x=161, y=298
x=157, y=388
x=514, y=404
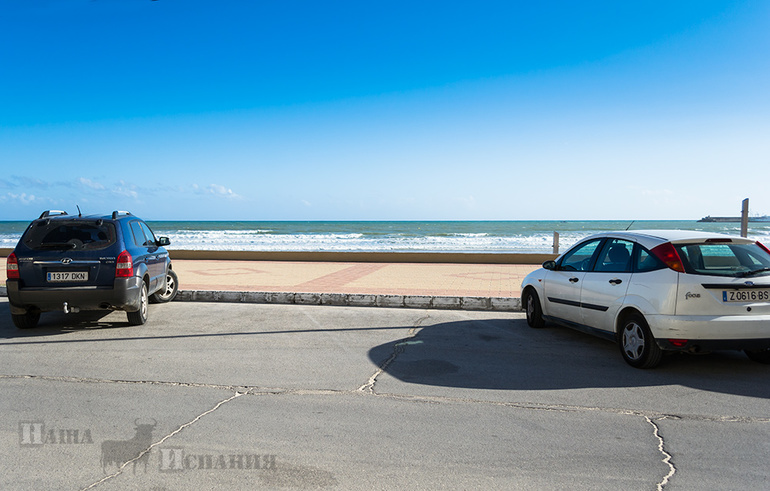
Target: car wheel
x=533, y=309
x=637, y=345
x=27, y=320
x=168, y=293
x=760, y=356
x=140, y=316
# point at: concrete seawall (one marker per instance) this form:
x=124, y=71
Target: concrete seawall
x=358, y=257
x=368, y=257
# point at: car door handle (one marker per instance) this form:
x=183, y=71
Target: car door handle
x=616, y=281
x=573, y=280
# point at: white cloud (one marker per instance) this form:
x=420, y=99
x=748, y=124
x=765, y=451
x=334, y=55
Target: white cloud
x=122, y=188
x=23, y=198
x=122, y=191
x=222, y=191
x=30, y=182
x=90, y=184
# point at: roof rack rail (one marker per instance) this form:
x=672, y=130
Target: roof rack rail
x=116, y=213
x=50, y=213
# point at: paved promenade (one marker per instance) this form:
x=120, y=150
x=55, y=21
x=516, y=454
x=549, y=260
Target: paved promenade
x=430, y=285
x=473, y=280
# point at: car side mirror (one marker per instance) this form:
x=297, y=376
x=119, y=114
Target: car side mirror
x=163, y=241
x=551, y=265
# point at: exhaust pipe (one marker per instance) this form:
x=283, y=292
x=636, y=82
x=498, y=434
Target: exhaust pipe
x=70, y=310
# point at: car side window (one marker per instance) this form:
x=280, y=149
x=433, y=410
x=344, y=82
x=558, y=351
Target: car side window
x=615, y=257
x=645, y=261
x=151, y=240
x=579, y=259
x=138, y=233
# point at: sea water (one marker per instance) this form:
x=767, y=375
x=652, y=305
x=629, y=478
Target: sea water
x=397, y=236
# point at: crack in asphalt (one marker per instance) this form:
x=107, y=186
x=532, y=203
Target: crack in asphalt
x=278, y=391
x=159, y=442
x=398, y=348
x=57, y=378
x=666, y=456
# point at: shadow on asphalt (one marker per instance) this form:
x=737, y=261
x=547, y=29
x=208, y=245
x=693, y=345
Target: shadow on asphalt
x=52, y=323
x=58, y=323
x=506, y=355
x=495, y=354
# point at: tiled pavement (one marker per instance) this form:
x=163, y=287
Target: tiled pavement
x=426, y=279
x=423, y=285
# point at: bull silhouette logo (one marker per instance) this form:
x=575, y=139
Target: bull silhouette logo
x=135, y=450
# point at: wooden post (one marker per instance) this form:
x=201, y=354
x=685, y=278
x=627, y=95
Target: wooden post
x=556, y=242
x=745, y=218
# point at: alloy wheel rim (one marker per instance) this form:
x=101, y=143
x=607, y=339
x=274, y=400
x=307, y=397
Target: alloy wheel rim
x=169, y=286
x=143, y=306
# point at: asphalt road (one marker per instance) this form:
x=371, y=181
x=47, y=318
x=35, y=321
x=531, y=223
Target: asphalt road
x=237, y=396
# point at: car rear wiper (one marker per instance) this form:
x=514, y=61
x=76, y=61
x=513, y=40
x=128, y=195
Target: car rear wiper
x=57, y=245
x=756, y=271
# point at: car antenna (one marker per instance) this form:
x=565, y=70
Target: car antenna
x=629, y=225
x=79, y=213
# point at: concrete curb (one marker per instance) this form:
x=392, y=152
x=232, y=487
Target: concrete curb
x=503, y=304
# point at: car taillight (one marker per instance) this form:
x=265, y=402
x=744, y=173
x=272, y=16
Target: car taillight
x=12, y=267
x=666, y=253
x=124, y=267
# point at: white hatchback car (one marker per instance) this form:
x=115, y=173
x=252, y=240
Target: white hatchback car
x=658, y=290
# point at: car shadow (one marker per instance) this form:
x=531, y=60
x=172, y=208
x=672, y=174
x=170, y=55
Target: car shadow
x=505, y=355
x=52, y=323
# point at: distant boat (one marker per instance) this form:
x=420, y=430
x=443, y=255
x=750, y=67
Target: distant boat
x=709, y=218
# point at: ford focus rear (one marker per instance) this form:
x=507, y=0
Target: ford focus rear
x=658, y=291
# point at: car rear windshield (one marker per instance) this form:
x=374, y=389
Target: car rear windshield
x=70, y=235
x=724, y=259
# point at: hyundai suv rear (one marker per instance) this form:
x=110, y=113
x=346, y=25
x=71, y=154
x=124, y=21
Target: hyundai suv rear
x=74, y=262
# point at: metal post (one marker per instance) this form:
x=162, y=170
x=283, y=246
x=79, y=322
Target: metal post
x=556, y=242
x=745, y=218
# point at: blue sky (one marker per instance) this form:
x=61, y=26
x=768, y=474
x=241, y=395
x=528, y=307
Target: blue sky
x=294, y=110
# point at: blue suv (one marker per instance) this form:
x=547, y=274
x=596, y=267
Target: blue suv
x=74, y=262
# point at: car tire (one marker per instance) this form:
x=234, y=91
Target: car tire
x=27, y=320
x=759, y=356
x=169, y=291
x=140, y=316
x=637, y=345
x=533, y=309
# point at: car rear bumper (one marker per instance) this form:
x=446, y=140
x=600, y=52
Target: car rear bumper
x=709, y=333
x=124, y=295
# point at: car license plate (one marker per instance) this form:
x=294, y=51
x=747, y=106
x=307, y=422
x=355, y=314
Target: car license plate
x=67, y=276
x=745, y=295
